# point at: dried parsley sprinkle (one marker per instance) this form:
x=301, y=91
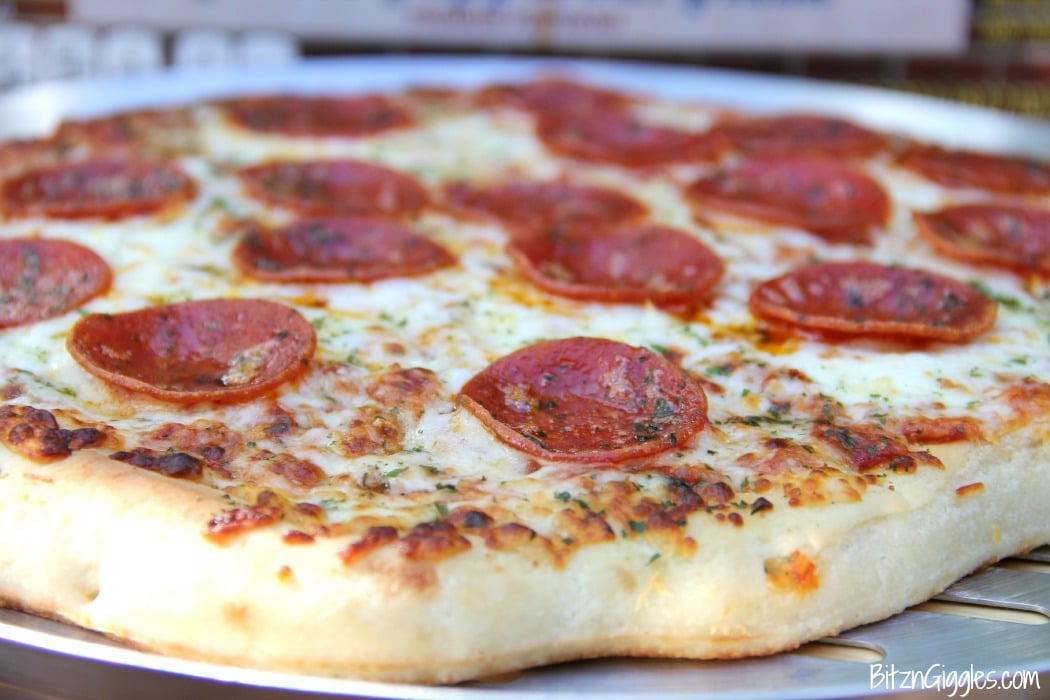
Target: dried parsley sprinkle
x=662, y=409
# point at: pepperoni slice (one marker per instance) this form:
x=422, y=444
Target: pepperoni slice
x=99, y=188
x=587, y=400
x=335, y=187
x=21, y=156
x=221, y=350
x=552, y=96
x=617, y=137
x=291, y=115
x=966, y=169
x=1014, y=237
x=866, y=299
x=43, y=278
x=157, y=130
x=834, y=202
x=533, y=207
x=631, y=264
x=338, y=250
x=801, y=134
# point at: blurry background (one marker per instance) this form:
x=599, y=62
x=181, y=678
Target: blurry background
x=991, y=52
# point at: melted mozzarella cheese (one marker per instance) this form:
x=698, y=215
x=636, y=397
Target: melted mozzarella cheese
x=455, y=321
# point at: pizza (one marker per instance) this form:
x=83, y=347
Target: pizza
x=438, y=381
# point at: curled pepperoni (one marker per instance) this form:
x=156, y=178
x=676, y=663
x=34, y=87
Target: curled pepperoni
x=1014, y=237
x=866, y=299
x=966, y=169
x=43, y=278
x=338, y=250
x=292, y=115
x=835, y=202
x=533, y=207
x=221, y=350
x=552, y=96
x=632, y=264
x=801, y=134
x=335, y=187
x=587, y=400
x=617, y=137
x=98, y=188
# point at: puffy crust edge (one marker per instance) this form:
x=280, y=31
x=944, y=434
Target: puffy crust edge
x=113, y=548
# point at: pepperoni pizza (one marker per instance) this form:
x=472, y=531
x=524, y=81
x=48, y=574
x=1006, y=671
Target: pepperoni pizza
x=435, y=383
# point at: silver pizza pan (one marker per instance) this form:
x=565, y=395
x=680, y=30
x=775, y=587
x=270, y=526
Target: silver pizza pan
x=987, y=636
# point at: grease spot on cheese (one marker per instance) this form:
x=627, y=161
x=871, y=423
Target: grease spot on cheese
x=654, y=586
x=795, y=574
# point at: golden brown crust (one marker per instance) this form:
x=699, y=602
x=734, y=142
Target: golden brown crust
x=140, y=540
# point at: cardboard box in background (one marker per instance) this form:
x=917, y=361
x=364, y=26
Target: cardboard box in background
x=991, y=52
x=611, y=26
